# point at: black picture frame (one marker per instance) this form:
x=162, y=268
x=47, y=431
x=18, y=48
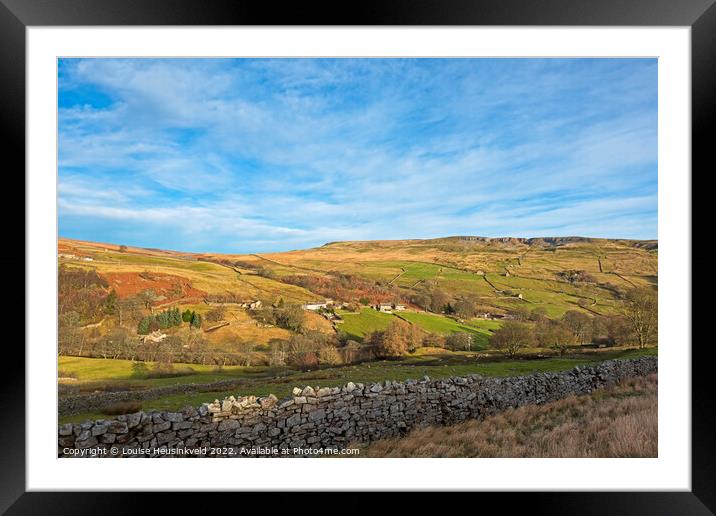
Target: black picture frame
x=17, y=15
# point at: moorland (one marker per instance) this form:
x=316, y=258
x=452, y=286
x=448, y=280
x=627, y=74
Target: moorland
x=138, y=318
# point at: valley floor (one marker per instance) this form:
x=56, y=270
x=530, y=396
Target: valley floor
x=620, y=421
x=87, y=375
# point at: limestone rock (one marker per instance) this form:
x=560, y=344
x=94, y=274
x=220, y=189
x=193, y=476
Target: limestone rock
x=228, y=424
x=308, y=391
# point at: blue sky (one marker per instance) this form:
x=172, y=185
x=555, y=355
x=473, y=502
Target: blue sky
x=259, y=155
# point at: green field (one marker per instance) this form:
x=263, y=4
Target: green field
x=358, y=325
x=445, y=326
x=89, y=371
x=439, y=365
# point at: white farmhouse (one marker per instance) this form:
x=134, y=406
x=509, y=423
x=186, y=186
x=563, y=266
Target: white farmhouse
x=385, y=308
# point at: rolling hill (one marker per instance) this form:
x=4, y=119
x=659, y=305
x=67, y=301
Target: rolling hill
x=498, y=275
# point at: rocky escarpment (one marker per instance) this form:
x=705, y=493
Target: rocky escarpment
x=555, y=241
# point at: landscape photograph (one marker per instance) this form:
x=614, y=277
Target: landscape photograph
x=357, y=257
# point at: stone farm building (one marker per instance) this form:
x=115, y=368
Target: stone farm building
x=389, y=307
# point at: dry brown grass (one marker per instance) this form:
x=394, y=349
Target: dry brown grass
x=620, y=421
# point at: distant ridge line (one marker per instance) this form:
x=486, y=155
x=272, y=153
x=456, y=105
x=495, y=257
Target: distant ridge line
x=645, y=244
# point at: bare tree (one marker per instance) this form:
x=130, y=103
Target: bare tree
x=580, y=324
x=512, y=337
x=460, y=341
x=302, y=352
x=555, y=335
x=641, y=309
x=399, y=337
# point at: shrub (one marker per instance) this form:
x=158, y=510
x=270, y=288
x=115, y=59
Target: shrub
x=266, y=272
x=216, y=315
x=538, y=314
x=329, y=355
x=433, y=340
x=290, y=318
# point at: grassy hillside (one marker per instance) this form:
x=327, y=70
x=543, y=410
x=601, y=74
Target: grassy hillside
x=185, y=281
x=358, y=325
x=496, y=275
x=108, y=284
x=495, y=271
x=620, y=421
x=206, y=277
x=480, y=329
x=491, y=270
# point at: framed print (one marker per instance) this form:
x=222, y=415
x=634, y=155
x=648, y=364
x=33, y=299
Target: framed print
x=424, y=248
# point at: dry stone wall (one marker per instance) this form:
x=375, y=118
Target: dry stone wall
x=76, y=404
x=329, y=418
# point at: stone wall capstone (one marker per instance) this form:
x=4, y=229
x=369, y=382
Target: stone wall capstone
x=317, y=418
